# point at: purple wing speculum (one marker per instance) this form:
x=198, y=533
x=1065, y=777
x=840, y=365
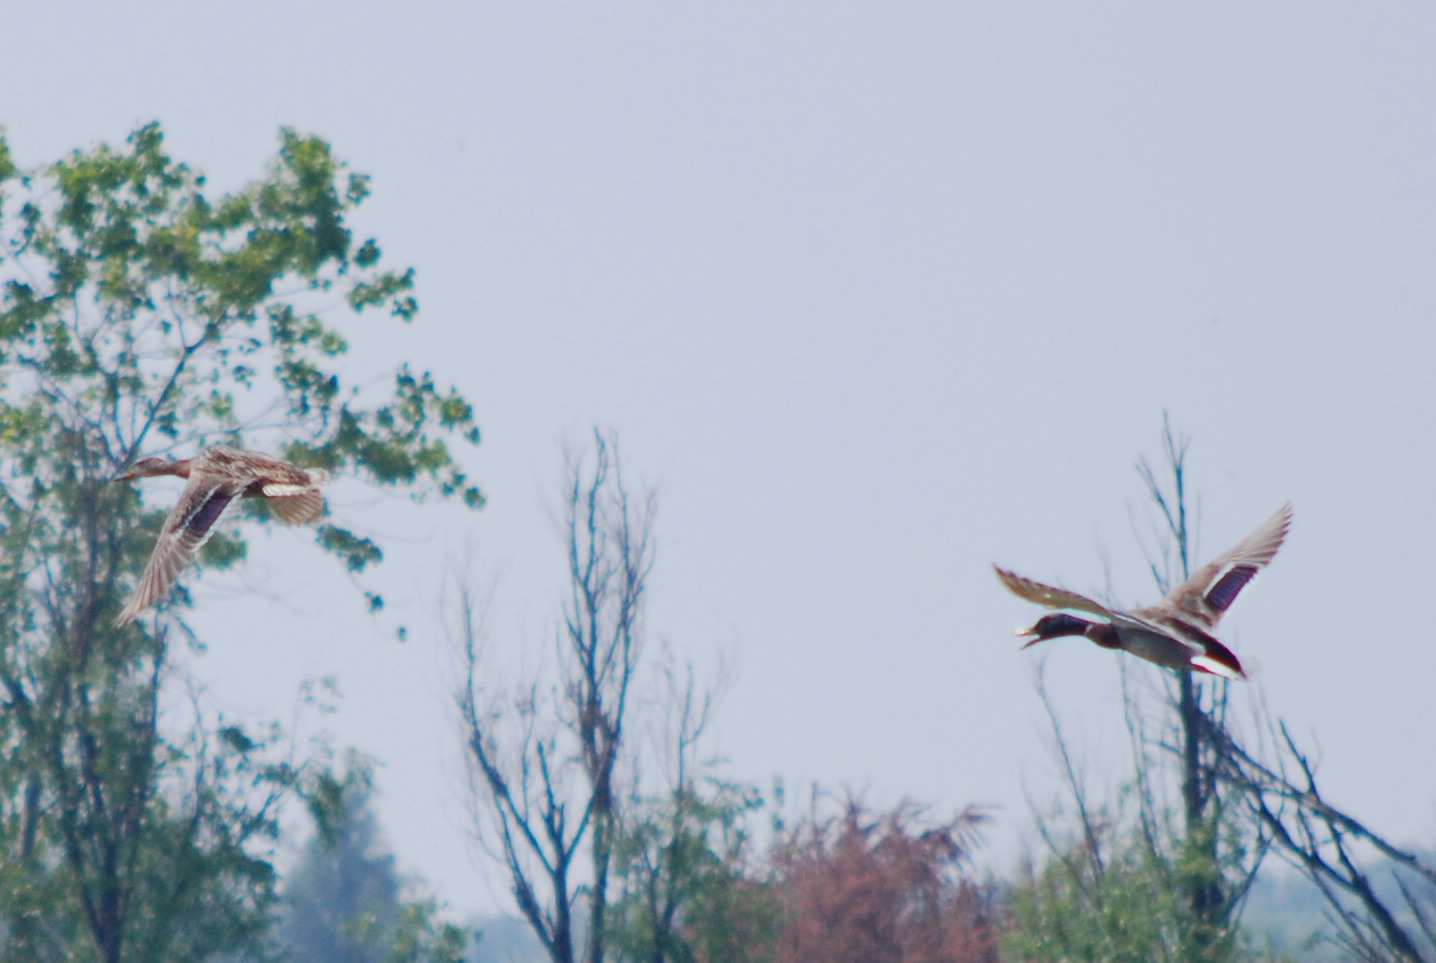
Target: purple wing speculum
x=203, y=520
x=1224, y=592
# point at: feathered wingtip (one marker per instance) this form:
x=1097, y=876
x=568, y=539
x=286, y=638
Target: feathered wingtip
x=132, y=611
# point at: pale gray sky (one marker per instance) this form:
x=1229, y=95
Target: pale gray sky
x=876, y=295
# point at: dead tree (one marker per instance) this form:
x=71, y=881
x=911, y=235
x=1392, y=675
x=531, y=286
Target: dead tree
x=1283, y=801
x=545, y=758
x=1332, y=849
x=1199, y=707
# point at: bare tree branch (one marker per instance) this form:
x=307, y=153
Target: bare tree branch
x=546, y=759
x=1318, y=838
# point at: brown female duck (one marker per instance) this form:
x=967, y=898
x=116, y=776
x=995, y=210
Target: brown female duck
x=1175, y=632
x=217, y=478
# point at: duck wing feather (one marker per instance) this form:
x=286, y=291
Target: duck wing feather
x=292, y=493
x=201, y=505
x=1050, y=595
x=1212, y=589
x=294, y=504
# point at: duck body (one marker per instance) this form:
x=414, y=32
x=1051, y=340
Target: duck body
x=216, y=479
x=1176, y=632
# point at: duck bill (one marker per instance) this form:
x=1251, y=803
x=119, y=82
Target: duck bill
x=1036, y=634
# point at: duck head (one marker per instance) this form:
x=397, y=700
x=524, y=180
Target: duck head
x=149, y=467
x=1055, y=626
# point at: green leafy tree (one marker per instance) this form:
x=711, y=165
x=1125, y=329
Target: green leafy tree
x=341, y=899
x=343, y=902
x=141, y=313
x=688, y=891
x=1115, y=887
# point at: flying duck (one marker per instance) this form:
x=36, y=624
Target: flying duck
x=1175, y=632
x=218, y=477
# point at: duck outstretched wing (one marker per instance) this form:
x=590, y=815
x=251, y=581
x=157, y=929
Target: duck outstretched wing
x=1049, y=595
x=188, y=526
x=1212, y=589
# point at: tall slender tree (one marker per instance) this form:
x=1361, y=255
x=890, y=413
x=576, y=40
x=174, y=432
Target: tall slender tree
x=1241, y=800
x=1212, y=883
x=545, y=758
x=341, y=899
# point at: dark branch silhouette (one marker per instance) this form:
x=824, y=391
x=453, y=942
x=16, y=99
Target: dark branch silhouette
x=545, y=760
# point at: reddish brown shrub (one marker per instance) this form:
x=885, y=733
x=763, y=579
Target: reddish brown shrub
x=861, y=887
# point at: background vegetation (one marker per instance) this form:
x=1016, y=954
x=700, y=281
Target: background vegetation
x=140, y=314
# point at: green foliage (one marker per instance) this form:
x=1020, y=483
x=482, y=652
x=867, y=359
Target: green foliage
x=340, y=898
x=420, y=936
x=332, y=801
x=343, y=901
x=142, y=313
x=1115, y=887
x=687, y=892
x=1087, y=904
x=139, y=313
x=138, y=846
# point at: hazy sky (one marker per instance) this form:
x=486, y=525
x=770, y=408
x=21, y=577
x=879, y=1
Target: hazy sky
x=875, y=295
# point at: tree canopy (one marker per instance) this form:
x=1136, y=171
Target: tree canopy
x=139, y=312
